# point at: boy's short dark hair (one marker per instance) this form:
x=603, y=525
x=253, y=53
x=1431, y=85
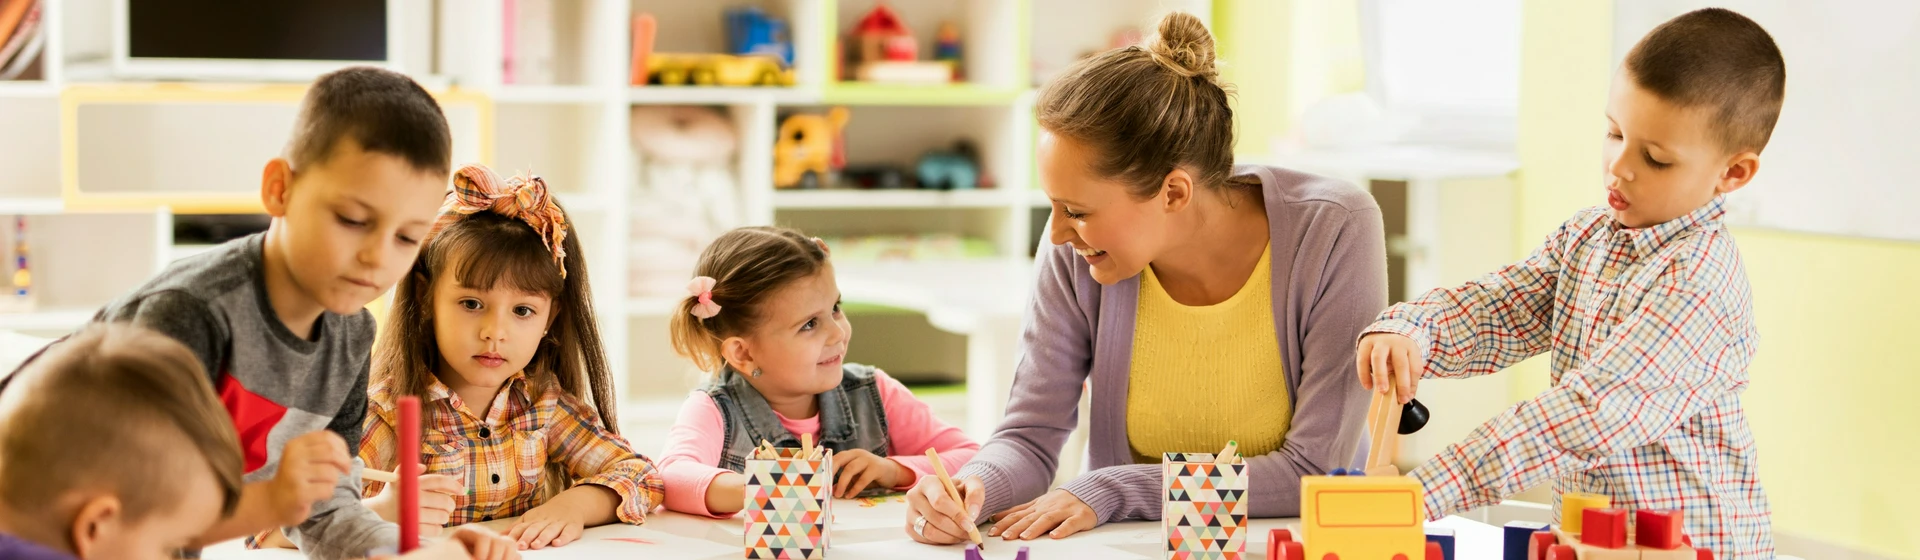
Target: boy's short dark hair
x=118, y=409
x=1716, y=59
x=381, y=110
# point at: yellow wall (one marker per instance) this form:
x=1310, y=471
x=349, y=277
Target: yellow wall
x=1831, y=385
x=1253, y=49
x=1834, y=386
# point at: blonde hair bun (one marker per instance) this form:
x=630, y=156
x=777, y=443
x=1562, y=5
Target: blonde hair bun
x=1183, y=44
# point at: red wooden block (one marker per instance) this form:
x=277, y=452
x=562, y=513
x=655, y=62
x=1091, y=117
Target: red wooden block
x=1561, y=552
x=1704, y=553
x=1537, y=547
x=1604, y=528
x=1658, y=528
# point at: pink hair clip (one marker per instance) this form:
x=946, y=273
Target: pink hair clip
x=702, y=288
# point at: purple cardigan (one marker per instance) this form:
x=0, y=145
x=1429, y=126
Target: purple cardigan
x=1329, y=281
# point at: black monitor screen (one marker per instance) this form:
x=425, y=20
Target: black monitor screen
x=258, y=29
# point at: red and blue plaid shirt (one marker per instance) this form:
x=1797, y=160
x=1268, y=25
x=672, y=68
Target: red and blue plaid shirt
x=1651, y=331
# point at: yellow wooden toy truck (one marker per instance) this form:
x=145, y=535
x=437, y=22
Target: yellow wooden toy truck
x=808, y=148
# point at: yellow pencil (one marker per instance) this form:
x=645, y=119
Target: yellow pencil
x=954, y=493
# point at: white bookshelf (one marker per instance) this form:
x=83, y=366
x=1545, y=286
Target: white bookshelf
x=576, y=132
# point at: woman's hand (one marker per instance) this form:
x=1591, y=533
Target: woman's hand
x=856, y=469
x=1059, y=514
x=933, y=517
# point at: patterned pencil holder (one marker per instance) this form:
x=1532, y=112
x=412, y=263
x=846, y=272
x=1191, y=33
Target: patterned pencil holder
x=1203, y=507
x=789, y=506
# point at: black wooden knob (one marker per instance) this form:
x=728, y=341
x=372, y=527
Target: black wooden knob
x=1413, y=416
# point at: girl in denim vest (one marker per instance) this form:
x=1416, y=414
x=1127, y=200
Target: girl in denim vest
x=763, y=314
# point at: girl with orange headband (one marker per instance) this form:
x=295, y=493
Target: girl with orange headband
x=494, y=331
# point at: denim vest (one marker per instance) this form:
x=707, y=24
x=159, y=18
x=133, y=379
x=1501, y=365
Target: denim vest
x=851, y=416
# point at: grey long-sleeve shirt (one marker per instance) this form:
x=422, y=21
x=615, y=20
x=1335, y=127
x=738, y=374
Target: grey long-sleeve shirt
x=276, y=386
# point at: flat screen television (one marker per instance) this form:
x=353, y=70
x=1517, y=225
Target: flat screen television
x=250, y=40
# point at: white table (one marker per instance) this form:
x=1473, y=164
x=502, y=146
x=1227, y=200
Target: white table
x=864, y=530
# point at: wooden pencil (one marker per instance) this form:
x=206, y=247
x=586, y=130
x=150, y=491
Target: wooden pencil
x=953, y=492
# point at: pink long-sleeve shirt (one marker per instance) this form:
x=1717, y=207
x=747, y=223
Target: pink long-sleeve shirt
x=694, y=443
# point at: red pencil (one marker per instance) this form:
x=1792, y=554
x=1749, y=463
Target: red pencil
x=409, y=458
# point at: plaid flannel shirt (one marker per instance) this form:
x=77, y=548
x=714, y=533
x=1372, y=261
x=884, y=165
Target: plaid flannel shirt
x=504, y=458
x=1651, y=331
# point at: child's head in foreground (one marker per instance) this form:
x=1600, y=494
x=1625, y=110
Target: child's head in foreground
x=113, y=445
x=765, y=304
x=1690, y=111
x=358, y=185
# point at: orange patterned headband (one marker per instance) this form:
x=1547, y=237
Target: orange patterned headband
x=478, y=189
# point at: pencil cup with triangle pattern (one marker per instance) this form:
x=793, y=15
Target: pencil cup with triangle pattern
x=1203, y=507
x=789, y=505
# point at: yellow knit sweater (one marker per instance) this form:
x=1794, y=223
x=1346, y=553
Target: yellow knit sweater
x=1204, y=375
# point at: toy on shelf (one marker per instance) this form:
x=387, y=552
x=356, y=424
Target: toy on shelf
x=884, y=51
x=700, y=69
x=22, y=298
x=686, y=194
x=875, y=177
x=751, y=32
x=1360, y=514
x=946, y=48
x=954, y=169
x=808, y=149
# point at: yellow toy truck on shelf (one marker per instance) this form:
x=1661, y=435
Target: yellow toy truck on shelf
x=808, y=149
x=700, y=69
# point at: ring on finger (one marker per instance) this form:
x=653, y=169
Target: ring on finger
x=920, y=526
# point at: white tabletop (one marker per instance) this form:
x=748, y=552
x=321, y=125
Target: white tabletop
x=874, y=529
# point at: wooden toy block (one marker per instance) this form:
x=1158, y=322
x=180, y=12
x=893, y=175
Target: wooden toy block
x=1679, y=553
x=1022, y=555
x=973, y=552
x=1538, y=544
x=1658, y=528
x=1362, y=516
x=1444, y=538
x=1517, y=534
x=1604, y=528
x=1590, y=552
x=1572, y=503
x=1703, y=554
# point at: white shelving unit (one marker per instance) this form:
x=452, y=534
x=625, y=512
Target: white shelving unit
x=576, y=132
